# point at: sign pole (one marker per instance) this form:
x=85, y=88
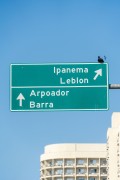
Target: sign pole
x=114, y=86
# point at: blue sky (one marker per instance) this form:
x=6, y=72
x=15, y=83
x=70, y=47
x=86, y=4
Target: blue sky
x=43, y=31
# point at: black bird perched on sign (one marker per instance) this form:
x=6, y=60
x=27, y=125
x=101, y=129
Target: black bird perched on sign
x=100, y=60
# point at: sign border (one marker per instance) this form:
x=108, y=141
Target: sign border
x=52, y=110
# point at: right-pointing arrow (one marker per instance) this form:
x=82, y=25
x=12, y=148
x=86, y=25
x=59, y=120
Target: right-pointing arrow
x=20, y=98
x=98, y=73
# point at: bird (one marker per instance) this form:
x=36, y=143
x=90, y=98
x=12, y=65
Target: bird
x=100, y=60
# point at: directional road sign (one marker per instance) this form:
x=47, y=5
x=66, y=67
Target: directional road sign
x=59, y=86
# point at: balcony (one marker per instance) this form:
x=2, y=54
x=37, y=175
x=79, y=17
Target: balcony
x=93, y=162
x=81, y=171
x=93, y=171
x=103, y=178
x=93, y=178
x=69, y=178
x=103, y=174
x=103, y=163
x=58, y=172
x=69, y=172
x=58, y=162
x=81, y=178
x=81, y=162
x=69, y=162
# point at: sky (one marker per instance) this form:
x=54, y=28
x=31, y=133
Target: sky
x=53, y=31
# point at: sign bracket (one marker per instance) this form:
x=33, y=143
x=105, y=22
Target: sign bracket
x=114, y=86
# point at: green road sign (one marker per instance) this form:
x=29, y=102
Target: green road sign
x=59, y=86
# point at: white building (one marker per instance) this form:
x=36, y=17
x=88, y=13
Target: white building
x=113, y=148
x=84, y=161
x=74, y=162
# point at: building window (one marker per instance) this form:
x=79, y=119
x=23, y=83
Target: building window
x=81, y=171
x=59, y=162
x=58, y=179
x=69, y=171
x=69, y=162
x=82, y=178
x=49, y=163
x=92, y=178
x=80, y=162
x=104, y=171
x=103, y=162
x=50, y=172
x=59, y=172
x=92, y=171
x=69, y=178
x=93, y=161
x=49, y=178
x=104, y=178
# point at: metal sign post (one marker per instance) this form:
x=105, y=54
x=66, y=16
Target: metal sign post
x=114, y=86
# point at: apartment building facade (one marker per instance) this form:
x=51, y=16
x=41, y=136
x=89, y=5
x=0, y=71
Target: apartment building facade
x=84, y=161
x=74, y=162
x=113, y=148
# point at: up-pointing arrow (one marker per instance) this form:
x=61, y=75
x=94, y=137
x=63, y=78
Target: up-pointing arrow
x=20, y=98
x=98, y=73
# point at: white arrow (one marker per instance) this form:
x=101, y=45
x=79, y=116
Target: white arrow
x=98, y=73
x=20, y=98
